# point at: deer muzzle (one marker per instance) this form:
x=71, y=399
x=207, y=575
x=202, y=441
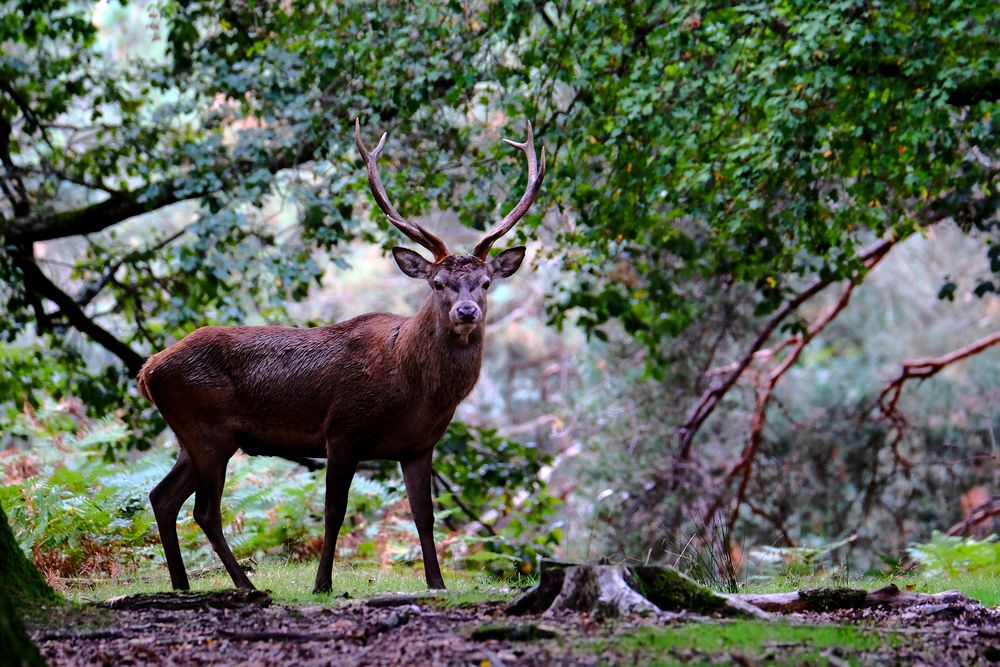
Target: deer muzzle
x=465, y=315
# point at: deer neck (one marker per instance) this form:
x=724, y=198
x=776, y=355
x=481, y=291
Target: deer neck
x=441, y=362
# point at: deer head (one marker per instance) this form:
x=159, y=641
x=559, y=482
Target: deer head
x=459, y=283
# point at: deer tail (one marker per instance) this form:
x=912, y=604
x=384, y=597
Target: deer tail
x=144, y=381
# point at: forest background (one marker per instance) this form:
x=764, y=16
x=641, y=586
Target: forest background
x=755, y=218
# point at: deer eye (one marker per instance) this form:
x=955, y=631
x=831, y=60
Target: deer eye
x=486, y=284
x=437, y=285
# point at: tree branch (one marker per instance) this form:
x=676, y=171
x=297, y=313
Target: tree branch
x=977, y=515
x=89, y=292
x=35, y=280
x=121, y=206
x=711, y=398
x=924, y=368
x=744, y=465
x=462, y=506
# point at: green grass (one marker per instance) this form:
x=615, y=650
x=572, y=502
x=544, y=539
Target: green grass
x=779, y=643
x=292, y=583
x=982, y=587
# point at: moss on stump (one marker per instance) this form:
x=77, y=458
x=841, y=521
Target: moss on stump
x=670, y=590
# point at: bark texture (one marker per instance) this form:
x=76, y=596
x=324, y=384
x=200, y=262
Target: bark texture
x=22, y=589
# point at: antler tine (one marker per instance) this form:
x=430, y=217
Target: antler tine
x=414, y=231
x=536, y=172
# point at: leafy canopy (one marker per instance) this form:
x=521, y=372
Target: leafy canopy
x=694, y=147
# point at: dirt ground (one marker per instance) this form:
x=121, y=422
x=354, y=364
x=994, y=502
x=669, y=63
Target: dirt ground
x=225, y=629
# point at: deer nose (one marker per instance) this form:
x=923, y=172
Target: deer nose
x=467, y=313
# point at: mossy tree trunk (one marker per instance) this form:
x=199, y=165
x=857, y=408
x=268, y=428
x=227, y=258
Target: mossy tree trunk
x=22, y=589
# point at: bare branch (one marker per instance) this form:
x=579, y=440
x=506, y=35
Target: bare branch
x=744, y=465
x=90, y=291
x=924, y=368
x=121, y=206
x=36, y=281
x=711, y=398
x=462, y=506
x=977, y=515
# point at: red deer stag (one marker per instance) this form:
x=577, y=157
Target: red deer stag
x=379, y=386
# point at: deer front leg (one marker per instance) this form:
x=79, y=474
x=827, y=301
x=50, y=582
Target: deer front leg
x=338, y=482
x=417, y=476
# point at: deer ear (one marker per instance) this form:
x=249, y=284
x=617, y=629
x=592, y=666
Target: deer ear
x=411, y=263
x=507, y=262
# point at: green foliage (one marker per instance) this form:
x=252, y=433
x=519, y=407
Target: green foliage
x=754, y=144
x=953, y=555
x=22, y=590
x=696, y=147
x=500, y=481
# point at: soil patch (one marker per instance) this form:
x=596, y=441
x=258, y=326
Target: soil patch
x=218, y=629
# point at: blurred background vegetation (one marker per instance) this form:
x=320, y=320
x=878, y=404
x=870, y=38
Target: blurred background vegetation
x=754, y=215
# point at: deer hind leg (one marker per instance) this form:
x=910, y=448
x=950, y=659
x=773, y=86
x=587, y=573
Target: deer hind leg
x=208, y=514
x=417, y=476
x=167, y=498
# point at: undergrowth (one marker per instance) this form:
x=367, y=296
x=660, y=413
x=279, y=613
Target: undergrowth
x=82, y=511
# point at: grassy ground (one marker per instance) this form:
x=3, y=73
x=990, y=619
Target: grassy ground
x=747, y=642
x=292, y=583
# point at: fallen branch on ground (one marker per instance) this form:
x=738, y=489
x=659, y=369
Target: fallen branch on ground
x=832, y=599
x=234, y=599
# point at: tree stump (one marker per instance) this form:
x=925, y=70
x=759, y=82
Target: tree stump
x=611, y=591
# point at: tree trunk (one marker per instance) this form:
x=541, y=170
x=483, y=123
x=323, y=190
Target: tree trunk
x=22, y=589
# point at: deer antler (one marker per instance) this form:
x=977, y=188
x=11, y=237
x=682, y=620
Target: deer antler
x=535, y=174
x=412, y=230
